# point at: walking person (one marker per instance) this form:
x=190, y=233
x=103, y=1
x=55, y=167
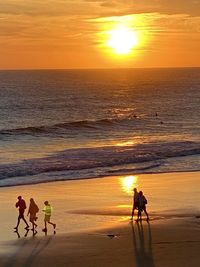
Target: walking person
x=135, y=202
x=21, y=204
x=47, y=216
x=33, y=209
x=142, y=201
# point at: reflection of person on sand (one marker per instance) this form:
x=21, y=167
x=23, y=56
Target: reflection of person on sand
x=21, y=204
x=135, y=201
x=26, y=233
x=33, y=209
x=142, y=201
x=142, y=246
x=47, y=215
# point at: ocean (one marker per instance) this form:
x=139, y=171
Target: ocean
x=77, y=124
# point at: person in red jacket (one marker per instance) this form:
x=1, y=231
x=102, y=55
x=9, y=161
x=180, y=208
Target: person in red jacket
x=21, y=204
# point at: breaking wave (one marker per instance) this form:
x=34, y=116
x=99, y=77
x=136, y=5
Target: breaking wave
x=105, y=160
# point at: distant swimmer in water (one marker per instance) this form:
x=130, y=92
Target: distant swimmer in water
x=161, y=122
x=21, y=204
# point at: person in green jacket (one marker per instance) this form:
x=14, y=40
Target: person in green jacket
x=47, y=215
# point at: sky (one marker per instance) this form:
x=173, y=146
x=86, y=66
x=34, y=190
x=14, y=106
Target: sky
x=62, y=34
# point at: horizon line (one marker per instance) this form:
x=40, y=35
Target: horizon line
x=118, y=68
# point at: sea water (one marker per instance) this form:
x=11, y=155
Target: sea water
x=76, y=124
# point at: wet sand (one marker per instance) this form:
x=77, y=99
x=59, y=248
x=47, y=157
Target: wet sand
x=94, y=227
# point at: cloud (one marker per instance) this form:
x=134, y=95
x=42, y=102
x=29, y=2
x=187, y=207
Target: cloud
x=191, y=7
x=45, y=8
x=61, y=23
x=174, y=22
x=63, y=27
x=94, y=8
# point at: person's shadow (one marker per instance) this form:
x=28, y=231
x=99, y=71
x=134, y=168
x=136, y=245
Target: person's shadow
x=38, y=245
x=142, y=245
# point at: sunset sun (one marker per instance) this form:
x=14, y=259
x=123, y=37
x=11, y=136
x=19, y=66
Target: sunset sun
x=122, y=40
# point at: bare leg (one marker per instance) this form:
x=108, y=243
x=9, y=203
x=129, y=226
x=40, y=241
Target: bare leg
x=18, y=221
x=34, y=225
x=25, y=222
x=54, y=225
x=146, y=213
x=45, y=227
x=139, y=215
x=132, y=213
x=135, y=207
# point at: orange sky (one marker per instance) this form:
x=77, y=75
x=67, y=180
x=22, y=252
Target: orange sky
x=71, y=34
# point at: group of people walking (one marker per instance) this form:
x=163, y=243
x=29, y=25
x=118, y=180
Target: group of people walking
x=32, y=213
x=139, y=204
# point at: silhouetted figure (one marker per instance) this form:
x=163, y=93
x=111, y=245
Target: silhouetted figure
x=47, y=215
x=33, y=209
x=21, y=204
x=135, y=201
x=142, y=201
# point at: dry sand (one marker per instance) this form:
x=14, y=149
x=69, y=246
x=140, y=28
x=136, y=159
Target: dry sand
x=93, y=226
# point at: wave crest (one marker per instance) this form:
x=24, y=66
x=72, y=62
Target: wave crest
x=59, y=127
x=112, y=159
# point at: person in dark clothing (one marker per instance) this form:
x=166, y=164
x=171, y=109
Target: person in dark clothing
x=135, y=201
x=33, y=209
x=142, y=201
x=21, y=204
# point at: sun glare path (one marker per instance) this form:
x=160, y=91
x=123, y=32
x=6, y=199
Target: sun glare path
x=128, y=183
x=122, y=40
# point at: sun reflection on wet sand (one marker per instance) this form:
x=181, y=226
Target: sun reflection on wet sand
x=128, y=183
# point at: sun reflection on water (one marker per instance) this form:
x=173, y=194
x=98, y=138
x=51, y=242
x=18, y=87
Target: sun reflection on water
x=128, y=183
x=126, y=143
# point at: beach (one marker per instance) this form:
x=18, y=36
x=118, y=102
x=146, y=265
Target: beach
x=99, y=98
x=99, y=117
x=94, y=227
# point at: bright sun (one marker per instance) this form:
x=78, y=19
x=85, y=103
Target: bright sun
x=122, y=40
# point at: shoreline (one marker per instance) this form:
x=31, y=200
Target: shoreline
x=99, y=177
